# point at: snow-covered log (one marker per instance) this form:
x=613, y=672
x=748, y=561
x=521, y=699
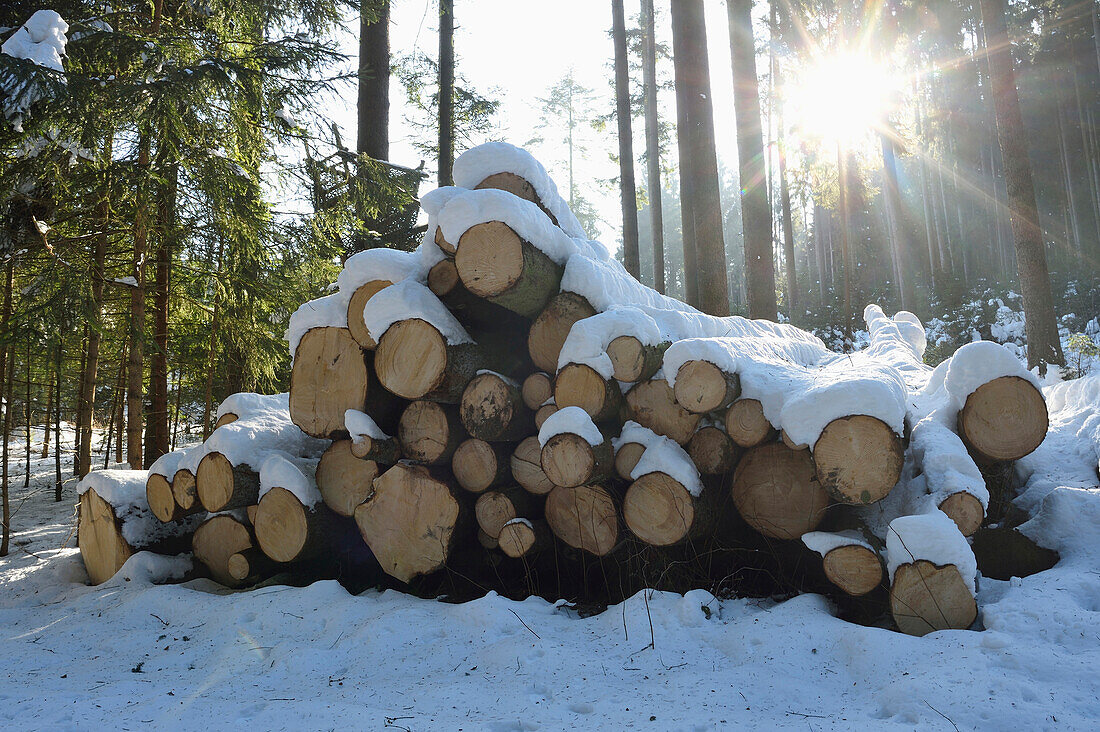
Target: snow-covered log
x=574, y=451
x=849, y=560
x=552, y=327
x=580, y=385
x=292, y=521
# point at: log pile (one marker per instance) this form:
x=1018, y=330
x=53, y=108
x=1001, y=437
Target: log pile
x=506, y=409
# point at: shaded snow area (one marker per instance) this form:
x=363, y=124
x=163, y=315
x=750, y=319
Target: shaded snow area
x=130, y=654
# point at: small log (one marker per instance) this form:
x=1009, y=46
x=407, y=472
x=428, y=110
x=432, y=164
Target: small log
x=786, y=439
x=289, y=531
x=223, y=486
x=537, y=388
x=356, y=326
x=184, y=491
x=858, y=459
x=544, y=413
x=414, y=361
x=925, y=597
x=660, y=511
x=551, y=328
x=521, y=538
x=584, y=517
x=527, y=470
x=492, y=408
x=633, y=360
x=1004, y=419
x=344, y=480
x=853, y=568
x=703, y=387
x=158, y=492
x=569, y=460
x=250, y=512
x=517, y=186
x=227, y=418
x=218, y=539
x=497, y=507
x=429, y=433
x=496, y=264
x=478, y=465
x=712, y=451
x=578, y=385
x=410, y=522
x=250, y=566
x=653, y=405
x=746, y=424
x=775, y=491
x=385, y=450
x=444, y=245
x=474, y=312
x=627, y=457
x=965, y=510
x=329, y=377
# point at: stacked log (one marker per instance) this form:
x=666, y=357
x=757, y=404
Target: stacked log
x=507, y=401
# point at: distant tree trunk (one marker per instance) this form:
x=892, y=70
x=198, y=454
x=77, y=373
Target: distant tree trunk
x=136, y=373
x=374, y=81
x=446, y=91
x=58, y=482
x=91, y=353
x=700, y=205
x=48, y=414
x=653, y=144
x=842, y=160
x=176, y=414
x=120, y=406
x=788, y=227
x=756, y=215
x=1043, y=346
x=623, y=114
x=158, y=372
x=7, y=358
x=893, y=214
x=211, y=352
x=819, y=250
x=29, y=414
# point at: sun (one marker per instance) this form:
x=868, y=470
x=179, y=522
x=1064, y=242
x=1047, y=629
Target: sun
x=841, y=98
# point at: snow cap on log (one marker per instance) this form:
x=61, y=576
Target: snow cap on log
x=409, y=300
x=168, y=463
x=245, y=403
x=360, y=425
x=824, y=542
x=661, y=455
x=392, y=265
x=932, y=537
x=247, y=441
x=124, y=490
x=478, y=163
x=589, y=338
x=296, y=475
x=570, y=420
x=978, y=363
x=328, y=311
x=947, y=466
x=732, y=354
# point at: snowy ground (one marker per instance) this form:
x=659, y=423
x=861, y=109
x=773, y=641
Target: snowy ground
x=132, y=655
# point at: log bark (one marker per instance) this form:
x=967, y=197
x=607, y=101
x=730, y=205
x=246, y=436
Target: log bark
x=775, y=491
x=496, y=264
x=858, y=459
x=356, y=326
x=578, y=385
x=414, y=361
x=344, y=479
x=551, y=328
x=429, y=433
x=216, y=540
x=411, y=522
x=537, y=388
x=329, y=377
x=479, y=465
x=634, y=361
x=527, y=469
x=703, y=387
x=570, y=461
x=223, y=486
x=925, y=597
x=746, y=424
x=652, y=404
x=1004, y=419
x=492, y=409
x=660, y=511
x=712, y=451
x=585, y=518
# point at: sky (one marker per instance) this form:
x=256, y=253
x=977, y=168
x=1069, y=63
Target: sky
x=521, y=48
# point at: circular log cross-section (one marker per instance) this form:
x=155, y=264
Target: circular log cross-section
x=712, y=451
x=537, y=388
x=569, y=460
x=775, y=491
x=411, y=359
x=518, y=186
x=544, y=413
x=746, y=424
x=359, y=298
x=653, y=405
x=478, y=465
x=429, y=432
x=552, y=326
x=496, y=264
x=627, y=457
x=158, y=492
x=227, y=418
x=633, y=361
x=579, y=385
x=658, y=509
x=527, y=467
x=492, y=408
x=1004, y=419
x=524, y=538
x=329, y=377
x=703, y=387
x=289, y=531
x=965, y=510
x=584, y=518
x=102, y=547
x=858, y=459
x=925, y=597
x=222, y=485
x=344, y=480
x=443, y=278
x=184, y=492
x=215, y=541
x=496, y=508
x=853, y=568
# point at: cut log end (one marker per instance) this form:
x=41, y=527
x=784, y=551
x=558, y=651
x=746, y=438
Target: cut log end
x=579, y=385
x=712, y=451
x=496, y=264
x=703, y=387
x=214, y=481
x=329, y=377
x=158, y=491
x=102, y=547
x=633, y=361
x=227, y=418
x=356, y=326
x=218, y=539
x=627, y=457
x=344, y=480
x=183, y=490
x=517, y=186
x=429, y=432
x=478, y=465
x=746, y=424
x=282, y=526
x=523, y=539
x=544, y=413
x=443, y=278
x=552, y=326
x=569, y=460
x=527, y=469
x=858, y=459
x=653, y=405
x=854, y=569
x=492, y=408
x=925, y=597
x=442, y=243
x=411, y=358
x=658, y=509
x=584, y=518
x=965, y=510
x=537, y=388
x=776, y=493
x=1004, y=419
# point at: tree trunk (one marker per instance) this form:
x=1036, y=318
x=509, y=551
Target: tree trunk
x=158, y=371
x=653, y=145
x=136, y=363
x=626, y=142
x=7, y=358
x=210, y=360
x=1042, y=332
x=91, y=362
x=374, y=82
x=50, y=374
x=788, y=230
x=446, y=91
x=756, y=213
x=57, y=427
x=893, y=212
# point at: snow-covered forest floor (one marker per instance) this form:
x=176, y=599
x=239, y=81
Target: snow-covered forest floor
x=131, y=654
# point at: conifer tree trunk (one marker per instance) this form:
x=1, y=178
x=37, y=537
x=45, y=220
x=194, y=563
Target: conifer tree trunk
x=704, y=255
x=652, y=144
x=627, y=191
x=209, y=400
x=57, y=425
x=48, y=414
x=7, y=358
x=374, y=81
x=136, y=361
x=756, y=216
x=893, y=211
x=91, y=354
x=1043, y=346
x=29, y=415
x=158, y=373
x=788, y=228
x=446, y=91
